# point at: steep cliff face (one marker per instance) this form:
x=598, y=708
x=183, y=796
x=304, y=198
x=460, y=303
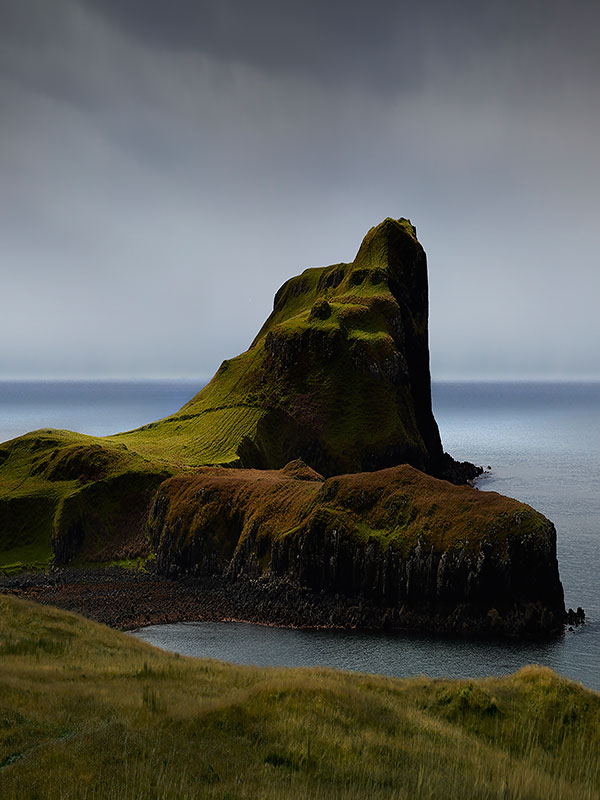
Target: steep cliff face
x=339, y=373
x=396, y=538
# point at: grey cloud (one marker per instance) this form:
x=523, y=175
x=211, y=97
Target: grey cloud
x=164, y=169
x=324, y=39
x=386, y=45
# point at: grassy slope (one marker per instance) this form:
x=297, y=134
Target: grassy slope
x=349, y=410
x=51, y=480
x=86, y=712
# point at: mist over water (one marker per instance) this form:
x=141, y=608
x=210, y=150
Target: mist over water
x=542, y=441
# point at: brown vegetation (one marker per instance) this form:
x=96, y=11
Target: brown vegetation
x=396, y=537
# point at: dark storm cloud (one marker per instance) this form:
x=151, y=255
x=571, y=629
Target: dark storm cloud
x=164, y=166
x=334, y=40
x=386, y=44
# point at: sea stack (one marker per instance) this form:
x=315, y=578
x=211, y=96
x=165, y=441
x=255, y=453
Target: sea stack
x=340, y=370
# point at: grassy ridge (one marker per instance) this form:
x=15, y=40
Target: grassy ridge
x=64, y=493
x=86, y=712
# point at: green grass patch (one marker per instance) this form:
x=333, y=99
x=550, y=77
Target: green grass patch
x=86, y=712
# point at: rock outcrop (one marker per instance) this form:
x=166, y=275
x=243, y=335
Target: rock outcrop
x=339, y=373
x=396, y=538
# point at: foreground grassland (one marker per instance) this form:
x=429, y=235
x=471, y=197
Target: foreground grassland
x=86, y=712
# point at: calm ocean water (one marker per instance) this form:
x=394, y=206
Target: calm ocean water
x=542, y=441
x=95, y=407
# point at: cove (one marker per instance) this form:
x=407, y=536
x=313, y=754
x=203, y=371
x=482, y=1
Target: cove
x=399, y=655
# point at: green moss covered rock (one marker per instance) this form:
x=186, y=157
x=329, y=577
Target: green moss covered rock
x=339, y=373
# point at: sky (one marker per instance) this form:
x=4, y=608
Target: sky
x=166, y=166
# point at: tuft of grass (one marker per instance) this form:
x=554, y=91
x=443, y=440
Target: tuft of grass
x=103, y=715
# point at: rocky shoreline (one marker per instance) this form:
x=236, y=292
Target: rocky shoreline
x=127, y=600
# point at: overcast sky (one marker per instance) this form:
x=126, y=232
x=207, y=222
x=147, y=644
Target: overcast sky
x=166, y=164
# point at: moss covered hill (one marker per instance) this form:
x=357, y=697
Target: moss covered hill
x=88, y=713
x=339, y=373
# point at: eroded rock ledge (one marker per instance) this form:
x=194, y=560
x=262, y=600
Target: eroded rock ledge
x=424, y=552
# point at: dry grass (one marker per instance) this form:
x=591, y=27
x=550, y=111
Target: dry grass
x=86, y=712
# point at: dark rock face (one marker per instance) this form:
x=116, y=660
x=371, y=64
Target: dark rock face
x=339, y=372
x=105, y=520
x=404, y=261
x=455, y=557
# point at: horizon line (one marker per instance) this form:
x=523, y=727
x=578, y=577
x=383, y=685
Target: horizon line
x=206, y=378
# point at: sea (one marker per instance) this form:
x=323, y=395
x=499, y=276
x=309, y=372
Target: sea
x=539, y=443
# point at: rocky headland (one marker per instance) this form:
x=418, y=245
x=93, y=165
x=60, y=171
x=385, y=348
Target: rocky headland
x=308, y=478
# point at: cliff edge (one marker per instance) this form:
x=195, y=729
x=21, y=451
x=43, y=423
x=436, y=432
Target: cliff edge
x=425, y=552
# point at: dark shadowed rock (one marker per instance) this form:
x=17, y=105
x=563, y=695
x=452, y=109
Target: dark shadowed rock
x=396, y=538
